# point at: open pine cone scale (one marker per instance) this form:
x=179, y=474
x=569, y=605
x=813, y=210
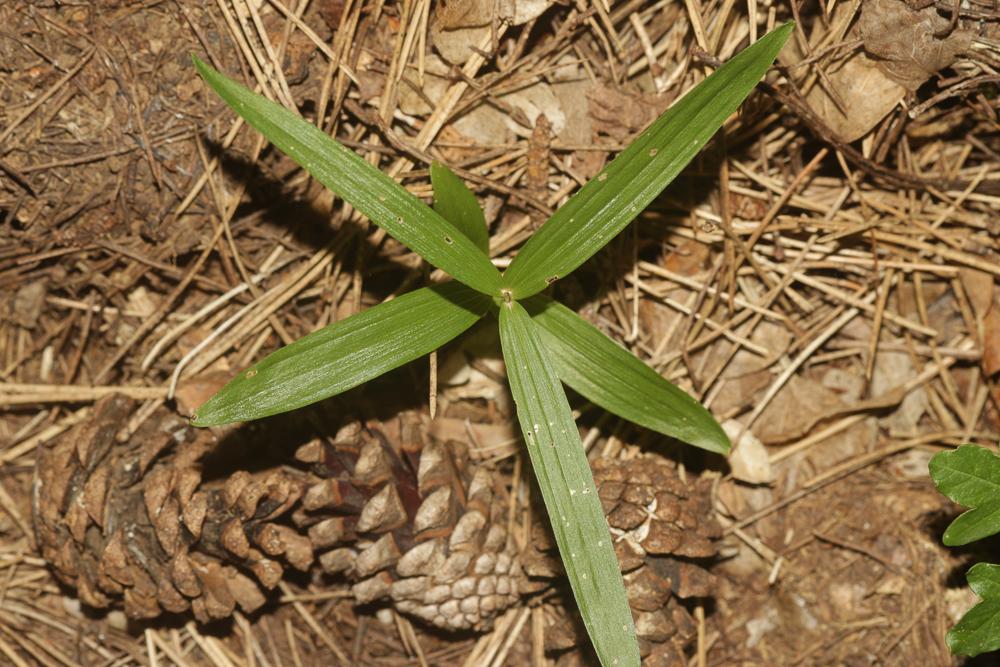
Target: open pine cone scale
x=127, y=510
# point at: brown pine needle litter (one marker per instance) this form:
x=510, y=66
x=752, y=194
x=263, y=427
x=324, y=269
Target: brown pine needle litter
x=823, y=277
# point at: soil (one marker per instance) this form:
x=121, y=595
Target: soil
x=823, y=277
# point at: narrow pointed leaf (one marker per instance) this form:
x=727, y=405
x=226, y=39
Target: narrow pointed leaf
x=567, y=485
x=454, y=202
x=385, y=202
x=970, y=476
x=347, y=353
x=605, y=205
x=978, y=631
x=613, y=378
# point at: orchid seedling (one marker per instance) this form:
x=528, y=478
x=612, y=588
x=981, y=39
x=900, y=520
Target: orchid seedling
x=544, y=343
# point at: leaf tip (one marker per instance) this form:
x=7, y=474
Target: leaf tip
x=199, y=64
x=779, y=37
x=709, y=435
x=216, y=411
x=205, y=416
x=716, y=441
x=202, y=418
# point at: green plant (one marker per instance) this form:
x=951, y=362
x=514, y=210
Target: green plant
x=970, y=476
x=543, y=342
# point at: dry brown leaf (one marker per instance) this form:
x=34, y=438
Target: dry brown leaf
x=978, y=286
x=749, y=460
x=772, y=337
x=488, y=124
x=330, y=11
x=27, y=304
x=902, y=48
x=909, y=45
x=991, y=341
x=867, y=92
x=748, y=374
x=579, y=129
x=893, y=370
x=460, y=26
x=620, y=114
x=141, y=303
x=794, y=410
x=193, y=392
x=411, y=101
x=689, y=258
x=485, y=440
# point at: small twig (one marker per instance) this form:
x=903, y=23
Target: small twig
x=29, y=394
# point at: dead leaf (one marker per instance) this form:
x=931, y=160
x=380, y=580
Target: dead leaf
x=991, y=341
x=193, y=392
x=853, y=94
x=910, y=465
x=620, y=113
x=463, y=25
x=978, y=286
x=578, y=128
x=794, y=410
x=748, y=374
x=330, y=11
x=141, y=303
x=488, y=124
x=893, y=584
x=909, y=45
x=847, y=382
x=487, y=440
x=749, y=460
x=457, y=46
x=28, y=302
x=901, y=50
x=985, y=301
x=892, y=371
x=868, y=95
x=689, y=258
x=772, y=337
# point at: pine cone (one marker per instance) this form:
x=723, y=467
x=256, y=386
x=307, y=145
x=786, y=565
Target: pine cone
x=400, y=516
x=662, y=527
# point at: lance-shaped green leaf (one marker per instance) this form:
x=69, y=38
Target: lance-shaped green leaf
x=347, y=353
x=979, y=630
x=385, y=202
x=613, y=378
x=970, y=476
x=602, y=208
x=567, y=485
x=455, y=203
